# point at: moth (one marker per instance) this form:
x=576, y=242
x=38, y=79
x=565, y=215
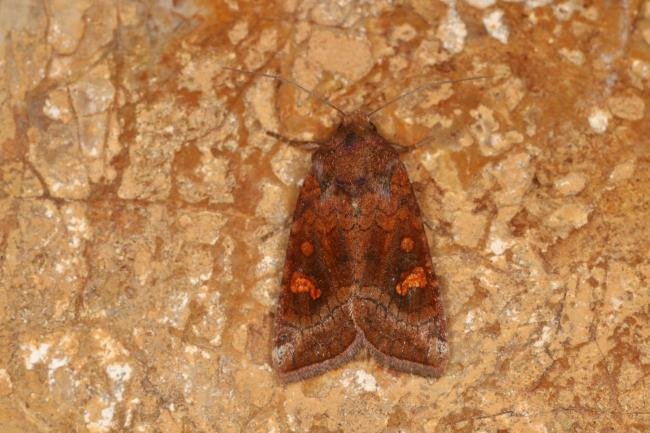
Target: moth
x=358, y=271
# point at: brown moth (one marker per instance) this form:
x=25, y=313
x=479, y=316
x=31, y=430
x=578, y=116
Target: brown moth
x=358, y=271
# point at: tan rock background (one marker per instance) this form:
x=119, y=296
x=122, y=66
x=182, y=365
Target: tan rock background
x=144, y=211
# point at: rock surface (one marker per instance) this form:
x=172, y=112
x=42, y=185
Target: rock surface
x=144, y=211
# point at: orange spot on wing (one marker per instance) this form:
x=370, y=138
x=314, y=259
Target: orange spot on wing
x=403, y=213
x=307, y=249
x=407, y=244
x=301, y=283
x=414, y=279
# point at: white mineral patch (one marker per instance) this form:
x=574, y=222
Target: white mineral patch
x=108, y=348
x=452, y=30
x=192, y=350
x=481, y=4
x=36, y=354
x=361, y=380
x=366, y=381
x=51, y=110
x=120, y=373
x=266, y=264
x=54, y=365
x=75, y=224
x=498, y=247
x=6, y=386
x=544, y=338
x=177, y=310
x=495, y=26
x=598, y=120
x=469, y=321
x=103, y=423
x=128, y=417
x=538, y=3
x=200, y=278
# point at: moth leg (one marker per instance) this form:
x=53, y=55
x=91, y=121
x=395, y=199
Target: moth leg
x=307, y=143
x=429, y=224
x=404, y=149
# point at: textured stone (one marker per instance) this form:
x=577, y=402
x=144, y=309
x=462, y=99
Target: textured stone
x=144, y=209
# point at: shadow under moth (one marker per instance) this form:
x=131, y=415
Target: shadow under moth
x=358, y=270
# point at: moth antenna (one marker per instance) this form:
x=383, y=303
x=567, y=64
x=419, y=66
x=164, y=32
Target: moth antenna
x=424, y=86
x=293, y=83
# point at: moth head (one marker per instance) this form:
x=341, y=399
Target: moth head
x=358, y=123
